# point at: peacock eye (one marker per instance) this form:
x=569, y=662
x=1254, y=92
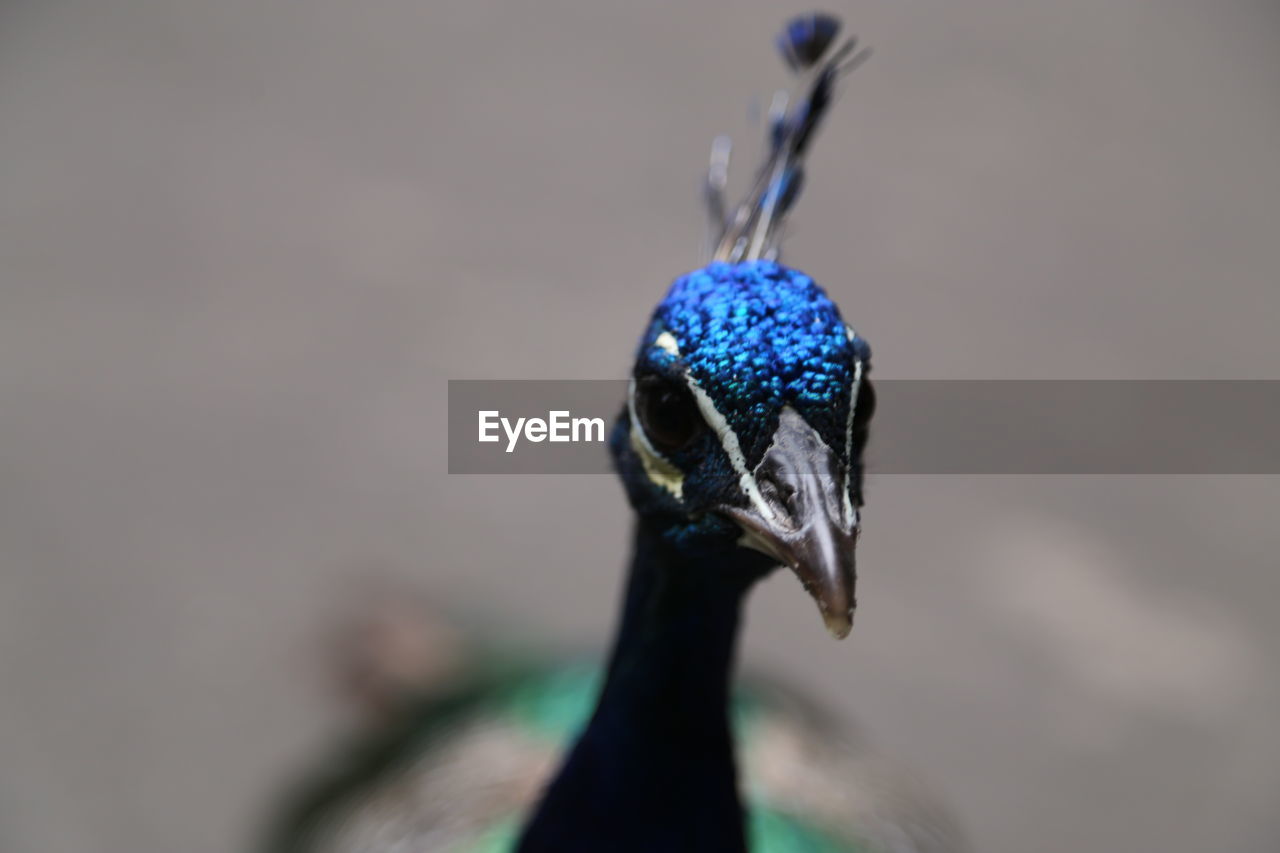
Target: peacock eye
x=865, y=404
x=668, y=414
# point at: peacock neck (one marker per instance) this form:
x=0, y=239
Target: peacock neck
x=654, y=769
x=670, y=668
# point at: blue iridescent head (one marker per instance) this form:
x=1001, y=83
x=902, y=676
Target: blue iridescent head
x=747, y=417
x=747, y=414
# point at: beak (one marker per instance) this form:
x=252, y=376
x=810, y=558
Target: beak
x=804, y=518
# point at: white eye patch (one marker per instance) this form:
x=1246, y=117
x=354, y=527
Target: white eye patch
x=666, y=475
x=656, y=467
x=667, y=341
x=660, y=471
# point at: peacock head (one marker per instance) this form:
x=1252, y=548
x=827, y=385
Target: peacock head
x=744, y=427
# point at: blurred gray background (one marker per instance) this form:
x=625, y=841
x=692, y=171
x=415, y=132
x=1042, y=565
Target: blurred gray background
x=243, y=245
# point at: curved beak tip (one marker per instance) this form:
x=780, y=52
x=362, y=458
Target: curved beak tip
x=833, y=593
x=838, y=624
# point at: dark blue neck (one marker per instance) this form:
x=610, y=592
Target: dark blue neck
x=654, y=768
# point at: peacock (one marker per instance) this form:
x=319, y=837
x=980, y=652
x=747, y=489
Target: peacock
x=740, y=448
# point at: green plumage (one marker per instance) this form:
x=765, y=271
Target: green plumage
x=457, y=770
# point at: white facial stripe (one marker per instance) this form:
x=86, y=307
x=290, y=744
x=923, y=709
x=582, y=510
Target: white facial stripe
x=661, y=472
x=850, y=512
x=729, y=441
x=671, y=478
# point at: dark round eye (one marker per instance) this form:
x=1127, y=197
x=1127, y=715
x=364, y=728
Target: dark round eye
x=865, y=404
x=668, y=414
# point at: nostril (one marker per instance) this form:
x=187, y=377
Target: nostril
x=779, y=493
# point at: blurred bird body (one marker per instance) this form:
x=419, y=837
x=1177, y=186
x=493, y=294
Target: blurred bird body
x=740, y=448
x=459, y=765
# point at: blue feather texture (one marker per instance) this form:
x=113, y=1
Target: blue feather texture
x=758, y=336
